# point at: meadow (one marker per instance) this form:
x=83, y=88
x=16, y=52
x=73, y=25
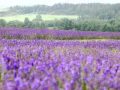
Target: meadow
x=45, y=17
x=56, y=61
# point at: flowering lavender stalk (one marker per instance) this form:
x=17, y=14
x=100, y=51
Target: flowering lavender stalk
x=21, y=33
x=60, y=65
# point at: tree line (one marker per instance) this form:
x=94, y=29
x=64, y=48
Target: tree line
x=66, y=24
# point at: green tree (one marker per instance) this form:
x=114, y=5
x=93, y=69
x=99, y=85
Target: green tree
x=15, y=23
x=38, y=18
x=27, y=23
x=40, y=25
x=2, y=23
x=66, y=24
x=38, y=22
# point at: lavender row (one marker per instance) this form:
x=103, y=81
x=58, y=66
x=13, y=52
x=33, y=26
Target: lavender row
x=106, y=44
x=22, y=33
x=60, y=65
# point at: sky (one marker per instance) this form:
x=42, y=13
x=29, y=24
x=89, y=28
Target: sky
x=8, y=3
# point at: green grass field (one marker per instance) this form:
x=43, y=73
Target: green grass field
x=45, y=17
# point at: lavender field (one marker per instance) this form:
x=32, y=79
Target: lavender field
x=28, y=62
x=29, y=33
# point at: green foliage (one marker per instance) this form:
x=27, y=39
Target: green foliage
x=84, y=87
x=79, y=24
x=38, y=25
x=91, y=10
x=2, y=23
x=38, y=22
x=27, y=23
x=15, y=24
x=0, y=77
x=38, y=18
x=92, y=17
x=66, y=24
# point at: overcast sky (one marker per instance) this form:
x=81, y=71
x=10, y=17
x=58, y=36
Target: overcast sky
x=7, y=3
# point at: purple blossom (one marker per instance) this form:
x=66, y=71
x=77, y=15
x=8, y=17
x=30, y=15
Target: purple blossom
x=67, y=65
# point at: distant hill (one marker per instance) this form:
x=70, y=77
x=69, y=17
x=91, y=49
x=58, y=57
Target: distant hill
x=92, y=10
